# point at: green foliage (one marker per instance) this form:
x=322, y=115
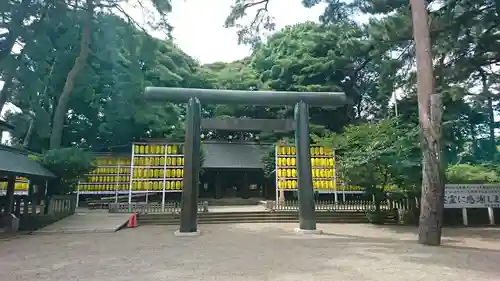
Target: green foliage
x=470, y=174
x=377, y=155
x=368, y=62
x=69, y=165
x=269, y=161
x=107, y=108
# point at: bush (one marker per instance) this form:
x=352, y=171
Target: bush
x=69, y=165
x=466, y=173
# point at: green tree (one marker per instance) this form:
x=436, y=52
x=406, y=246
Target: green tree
x=107, y=109
x=376, y=155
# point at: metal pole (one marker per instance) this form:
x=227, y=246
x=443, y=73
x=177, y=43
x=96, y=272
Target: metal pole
x=131, y=177
x=192, y=143
x=77, y=194
x=164, y=179
x=335, y=177
x=117, y=180
x=307, y=215
x=276, y=179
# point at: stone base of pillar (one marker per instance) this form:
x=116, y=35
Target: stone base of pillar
x=187, y=234
x=308, y=231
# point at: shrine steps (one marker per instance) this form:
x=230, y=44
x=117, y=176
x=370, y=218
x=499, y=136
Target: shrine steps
x=232, y=201
x=256, y=217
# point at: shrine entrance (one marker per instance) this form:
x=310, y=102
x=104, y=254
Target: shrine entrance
x=233, y=170
x=194, y=97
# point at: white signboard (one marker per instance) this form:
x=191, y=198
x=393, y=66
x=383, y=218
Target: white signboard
x=472, y=196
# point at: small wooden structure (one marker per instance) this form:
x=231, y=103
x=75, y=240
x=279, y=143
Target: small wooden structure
x=16, y=163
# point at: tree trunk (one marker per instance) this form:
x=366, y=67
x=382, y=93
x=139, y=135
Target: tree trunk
x=4, y=93
x=491, y=117
x=430, y=114
x=62, y=104
x=472, y=130
x=29, y=133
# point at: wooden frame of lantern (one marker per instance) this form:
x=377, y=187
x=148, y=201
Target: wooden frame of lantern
x=155, y=168
x=110, y=177
x=323, y=170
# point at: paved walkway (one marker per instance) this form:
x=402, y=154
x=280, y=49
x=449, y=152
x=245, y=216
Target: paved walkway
x=84, y=221
x=253, y=252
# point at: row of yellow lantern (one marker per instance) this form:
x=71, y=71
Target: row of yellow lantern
x=317, y=184
x=103, y=187
x=158, y=149
x=138, y=185
x=109, y=161
x=157, y=185
x=292, y=184
x=108, y=178
x=316, y=173
x=17, y=186
x=159, y=161
x=110, y=171
x=315, y=162
x=157, y=173
x=315, y=150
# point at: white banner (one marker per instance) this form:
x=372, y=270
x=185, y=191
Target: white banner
x=472, y=196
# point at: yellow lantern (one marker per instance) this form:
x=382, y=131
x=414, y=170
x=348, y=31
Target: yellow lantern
x=282, y=150
x=288, y=162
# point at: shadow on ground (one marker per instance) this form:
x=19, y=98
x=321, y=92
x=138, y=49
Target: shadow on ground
x=483, y=233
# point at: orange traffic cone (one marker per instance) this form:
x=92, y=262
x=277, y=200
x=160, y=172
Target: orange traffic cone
x=132, y=221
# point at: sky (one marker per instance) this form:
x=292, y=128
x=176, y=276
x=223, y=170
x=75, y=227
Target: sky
x=199, y=28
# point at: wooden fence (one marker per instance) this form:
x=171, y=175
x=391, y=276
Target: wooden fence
x=330, y=206
x=173, y=207
x=34, y=213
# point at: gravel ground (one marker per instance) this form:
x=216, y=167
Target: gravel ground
x=252, y=252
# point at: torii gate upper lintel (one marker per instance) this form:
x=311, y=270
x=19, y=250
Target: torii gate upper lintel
x=194, y=97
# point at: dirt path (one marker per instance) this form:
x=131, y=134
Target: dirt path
x=253, y=252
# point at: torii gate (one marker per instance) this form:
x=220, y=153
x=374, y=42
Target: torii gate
x=192, y=142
